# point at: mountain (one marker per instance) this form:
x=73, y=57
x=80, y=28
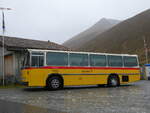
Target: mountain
x=87, y=35
x=125, y=37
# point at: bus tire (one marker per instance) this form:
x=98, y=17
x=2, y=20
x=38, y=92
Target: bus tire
x=113, y=81
x=54, y=83
x=101, y=85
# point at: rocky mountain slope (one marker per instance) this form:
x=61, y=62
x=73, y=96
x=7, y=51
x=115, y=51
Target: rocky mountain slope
x=125, y=37
x=87, y=35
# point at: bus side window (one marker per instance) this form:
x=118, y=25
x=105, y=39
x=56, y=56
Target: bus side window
x=76, y=59
x=130, y=61
x=37, y=60
x=41, y=61
x=34, y=61
x=97, y=60
x=57, y=59
x=115, y=61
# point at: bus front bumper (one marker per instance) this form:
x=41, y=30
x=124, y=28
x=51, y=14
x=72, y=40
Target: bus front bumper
x=24, y=83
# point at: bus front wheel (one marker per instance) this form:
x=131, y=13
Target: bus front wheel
x=54, y=83
x=113, y=81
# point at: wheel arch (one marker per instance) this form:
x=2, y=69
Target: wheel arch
x=113, y=75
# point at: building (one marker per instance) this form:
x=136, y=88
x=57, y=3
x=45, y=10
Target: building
x=15, y=51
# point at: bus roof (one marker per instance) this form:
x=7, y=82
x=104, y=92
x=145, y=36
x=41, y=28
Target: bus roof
x=40, y=50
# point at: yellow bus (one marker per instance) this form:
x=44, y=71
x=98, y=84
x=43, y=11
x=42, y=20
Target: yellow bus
x=56, y=69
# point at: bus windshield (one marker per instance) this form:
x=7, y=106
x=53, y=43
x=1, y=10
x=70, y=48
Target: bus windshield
x=26, y=61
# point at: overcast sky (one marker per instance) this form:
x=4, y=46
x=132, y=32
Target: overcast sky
x=59, y=20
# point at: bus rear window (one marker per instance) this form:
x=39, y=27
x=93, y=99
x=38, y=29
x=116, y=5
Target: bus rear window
x=130, y=61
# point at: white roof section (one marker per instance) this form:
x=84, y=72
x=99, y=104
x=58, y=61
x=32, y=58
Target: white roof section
x=40, y=50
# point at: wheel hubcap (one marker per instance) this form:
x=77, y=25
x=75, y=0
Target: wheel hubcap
x=113, y=82
x=55, y=83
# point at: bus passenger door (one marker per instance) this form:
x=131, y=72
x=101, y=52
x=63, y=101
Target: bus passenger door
x=37, y=61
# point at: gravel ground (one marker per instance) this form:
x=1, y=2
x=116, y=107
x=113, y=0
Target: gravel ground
x=132, y=98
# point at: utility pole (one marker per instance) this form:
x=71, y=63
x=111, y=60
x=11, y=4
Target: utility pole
x=3, y=42
x=146, y=49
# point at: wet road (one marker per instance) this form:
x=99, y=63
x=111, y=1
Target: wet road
x=133, y=98
x=13, y=107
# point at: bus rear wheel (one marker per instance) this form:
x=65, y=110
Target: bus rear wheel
x=113, y=81
x=54, y=83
